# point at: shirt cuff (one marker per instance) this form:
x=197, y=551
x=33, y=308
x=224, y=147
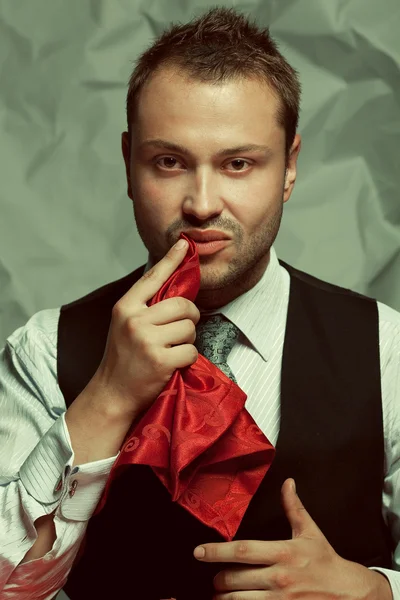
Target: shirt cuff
x=394, y=580
x=41, y=470
x=48, y=476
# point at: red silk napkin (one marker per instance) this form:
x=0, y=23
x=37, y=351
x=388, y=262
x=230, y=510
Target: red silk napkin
x=197, y=436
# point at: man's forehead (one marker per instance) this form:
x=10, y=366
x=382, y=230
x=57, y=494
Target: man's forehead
x=171, y=81
x=247, y=112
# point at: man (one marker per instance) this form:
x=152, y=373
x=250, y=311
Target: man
x=211, y=146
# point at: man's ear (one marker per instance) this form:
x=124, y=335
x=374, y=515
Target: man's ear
x=291, y=167
x=126, y=153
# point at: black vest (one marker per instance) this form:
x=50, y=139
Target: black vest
x=331, y=441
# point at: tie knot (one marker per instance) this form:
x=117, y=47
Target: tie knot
x=215, y=337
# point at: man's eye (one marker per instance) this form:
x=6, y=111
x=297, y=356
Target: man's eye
x=170, y=162
x=239, y=162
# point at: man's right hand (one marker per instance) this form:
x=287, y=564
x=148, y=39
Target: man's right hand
x=145, y=345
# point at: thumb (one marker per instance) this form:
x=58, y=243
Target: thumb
x=301, y=522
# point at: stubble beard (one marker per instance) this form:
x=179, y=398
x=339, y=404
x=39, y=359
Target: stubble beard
x=221, y=284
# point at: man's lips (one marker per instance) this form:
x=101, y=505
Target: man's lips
x=206, y=248
x=210, y=235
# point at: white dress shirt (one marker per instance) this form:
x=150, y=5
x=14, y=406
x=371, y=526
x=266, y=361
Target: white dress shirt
x=36, y=450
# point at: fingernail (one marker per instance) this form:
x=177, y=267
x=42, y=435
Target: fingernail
x=199, y=552
x=180, y=244
x=293, y=486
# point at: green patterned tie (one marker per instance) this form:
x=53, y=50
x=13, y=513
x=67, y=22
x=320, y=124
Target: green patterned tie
x=215, y=338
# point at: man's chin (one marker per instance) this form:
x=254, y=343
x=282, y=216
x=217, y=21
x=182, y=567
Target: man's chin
x=215, y=282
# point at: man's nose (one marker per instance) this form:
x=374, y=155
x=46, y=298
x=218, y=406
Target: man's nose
x=204, y=198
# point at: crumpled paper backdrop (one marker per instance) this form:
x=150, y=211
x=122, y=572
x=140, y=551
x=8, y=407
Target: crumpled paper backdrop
x=66, y=223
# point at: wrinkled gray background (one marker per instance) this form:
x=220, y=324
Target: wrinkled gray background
x=66, y=223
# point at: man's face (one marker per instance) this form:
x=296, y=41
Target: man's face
x=240, y=193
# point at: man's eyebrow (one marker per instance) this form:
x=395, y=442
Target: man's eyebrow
x=164, y=144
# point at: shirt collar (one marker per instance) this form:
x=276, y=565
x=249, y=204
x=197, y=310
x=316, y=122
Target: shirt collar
x=259, y=311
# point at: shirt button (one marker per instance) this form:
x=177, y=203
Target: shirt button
x=73, y=487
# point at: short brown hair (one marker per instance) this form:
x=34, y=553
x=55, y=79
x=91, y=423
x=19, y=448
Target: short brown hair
x=220, y=45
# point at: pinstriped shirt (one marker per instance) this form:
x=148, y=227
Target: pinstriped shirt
x=36, y=451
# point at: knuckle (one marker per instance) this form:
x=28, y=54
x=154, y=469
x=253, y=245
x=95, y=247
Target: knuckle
x=169, y=256
x=224, y=580
x=240, y=549
x=183, y=304
x=285, y=555
x=229, y=580
x=212, y=553
x=302, y=511
x=132, y=325
x=150, y=274
x=283, y=579
x=157, y=363
x=117, y=310
x=191, y=326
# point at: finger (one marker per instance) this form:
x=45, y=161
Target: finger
x=300, y=521
x=178, y=332
x=245, y=551
x=242, y=578
x=172, y=309
x=243, y=595
x=151, y=281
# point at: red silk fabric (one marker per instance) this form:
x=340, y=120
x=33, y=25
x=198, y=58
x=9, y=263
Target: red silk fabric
x=197, y=436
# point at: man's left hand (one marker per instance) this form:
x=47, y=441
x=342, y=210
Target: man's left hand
x=305, y=567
